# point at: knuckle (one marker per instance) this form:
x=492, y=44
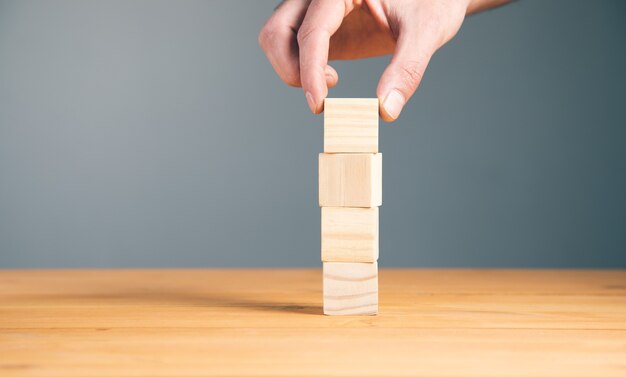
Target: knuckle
x=306, y=32
x=263, y=37
x=268, y=35
x=411, y=74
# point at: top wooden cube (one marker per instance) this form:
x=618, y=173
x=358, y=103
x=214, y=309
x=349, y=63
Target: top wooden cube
x=351, y=125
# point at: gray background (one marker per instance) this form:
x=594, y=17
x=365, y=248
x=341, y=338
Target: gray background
x=155, y=133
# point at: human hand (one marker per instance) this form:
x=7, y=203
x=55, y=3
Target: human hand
x=303, y=35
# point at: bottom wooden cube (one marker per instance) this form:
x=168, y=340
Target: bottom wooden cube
x=350, y=288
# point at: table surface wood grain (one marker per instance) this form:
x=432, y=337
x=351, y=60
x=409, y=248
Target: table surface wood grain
x=269, y=322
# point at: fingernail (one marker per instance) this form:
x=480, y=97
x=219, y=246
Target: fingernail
x=309, y=99
x=393, y=103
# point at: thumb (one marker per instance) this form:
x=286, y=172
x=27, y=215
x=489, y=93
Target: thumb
x=414, y=48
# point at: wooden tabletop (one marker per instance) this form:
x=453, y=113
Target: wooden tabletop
x=270, y=323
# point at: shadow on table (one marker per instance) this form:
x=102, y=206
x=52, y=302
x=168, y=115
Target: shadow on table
x=261, y=305
x=205, y=299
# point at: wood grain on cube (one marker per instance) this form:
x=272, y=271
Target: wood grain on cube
x=351, y=125
x=349, y=234
x=350, y=180
x=350, y=288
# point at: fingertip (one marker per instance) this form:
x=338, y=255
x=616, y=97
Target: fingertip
x=391, y=105
x=310, y=101
x=315, y=84
x=331, y=81
x=315, y=93
x=331, y=76
x=384, y=116
x=315, y=106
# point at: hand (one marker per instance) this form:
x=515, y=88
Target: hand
x=303, y=35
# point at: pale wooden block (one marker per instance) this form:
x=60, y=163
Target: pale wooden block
x=349, y=234
x=350, y=180
x=350, y=288
x=351, y=125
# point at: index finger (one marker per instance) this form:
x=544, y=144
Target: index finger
x=321, y=21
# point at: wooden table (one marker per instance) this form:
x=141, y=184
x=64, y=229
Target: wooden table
x=269, y=323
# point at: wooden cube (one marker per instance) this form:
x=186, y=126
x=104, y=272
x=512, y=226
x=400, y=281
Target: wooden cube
x=350, y=180
x=351, y=125
x=349, y=234
x=350, y=288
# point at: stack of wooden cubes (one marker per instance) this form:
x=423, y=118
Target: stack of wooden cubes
x=350, y=192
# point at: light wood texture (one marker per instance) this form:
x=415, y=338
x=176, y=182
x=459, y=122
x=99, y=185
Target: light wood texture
x=350, y=180
x=449, y=323
x=351, y=125
x=349, y=234
x=350, y=288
